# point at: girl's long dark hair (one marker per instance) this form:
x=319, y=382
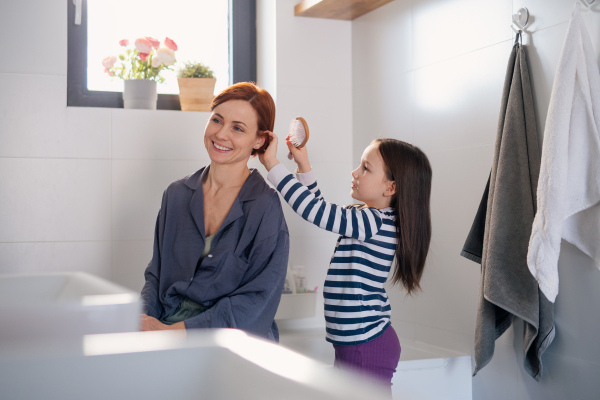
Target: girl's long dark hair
x=409, y=168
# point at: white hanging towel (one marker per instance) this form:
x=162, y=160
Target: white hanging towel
x=568, y=192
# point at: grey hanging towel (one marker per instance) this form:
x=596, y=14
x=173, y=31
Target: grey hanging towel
x=473, y=248
x=507, y=288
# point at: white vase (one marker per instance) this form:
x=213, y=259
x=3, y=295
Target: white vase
x=140, y=94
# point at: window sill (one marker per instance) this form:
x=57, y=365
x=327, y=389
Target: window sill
x=80, y=97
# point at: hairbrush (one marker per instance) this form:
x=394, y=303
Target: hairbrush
x=298, y=134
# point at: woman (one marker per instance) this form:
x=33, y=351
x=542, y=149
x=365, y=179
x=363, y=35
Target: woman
x=221, y=243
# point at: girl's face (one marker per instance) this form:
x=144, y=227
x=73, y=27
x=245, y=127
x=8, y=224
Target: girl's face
x=369, y=181
x=232, y=132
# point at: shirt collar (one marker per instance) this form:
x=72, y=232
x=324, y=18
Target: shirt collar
x=251, y=189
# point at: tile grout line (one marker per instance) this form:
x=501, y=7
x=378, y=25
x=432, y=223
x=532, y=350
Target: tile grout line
x=34, y=74
x=463, y=54
x=548, y=27
x=58, y=241
x=482, y=48
x=314, y=87
x=79, y=241
x=461, y=148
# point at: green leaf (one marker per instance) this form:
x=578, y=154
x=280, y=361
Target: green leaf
x=195, y=70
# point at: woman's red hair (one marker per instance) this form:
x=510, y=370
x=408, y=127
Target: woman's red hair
x=259, y=99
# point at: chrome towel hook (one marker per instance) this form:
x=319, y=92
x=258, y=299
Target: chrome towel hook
x=520, y=20
x=517, y=19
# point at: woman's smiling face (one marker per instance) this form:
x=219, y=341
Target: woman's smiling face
x=232, y=132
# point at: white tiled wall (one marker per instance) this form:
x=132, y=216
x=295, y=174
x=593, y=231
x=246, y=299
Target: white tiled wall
x=158, y=135
x=50, y=129
x=34, y=33
x=92, y=257
x=457, y=101
x=54, y=200
x=431, y=72
x=456, y=190
x=80, y=188
x=444, y=29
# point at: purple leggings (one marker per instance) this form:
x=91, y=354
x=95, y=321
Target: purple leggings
x=377, y=358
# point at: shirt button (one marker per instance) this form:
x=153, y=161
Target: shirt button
x=210, y=256
x=191, y=279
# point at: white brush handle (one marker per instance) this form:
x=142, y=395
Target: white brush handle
x=290, y=156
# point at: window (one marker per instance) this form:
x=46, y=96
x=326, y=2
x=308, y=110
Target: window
x=219, y=33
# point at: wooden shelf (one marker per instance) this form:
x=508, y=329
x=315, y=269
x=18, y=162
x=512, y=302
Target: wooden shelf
x=337, y=9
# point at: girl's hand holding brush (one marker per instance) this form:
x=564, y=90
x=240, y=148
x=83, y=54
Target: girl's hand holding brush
x=300, y=156
x=296, y=142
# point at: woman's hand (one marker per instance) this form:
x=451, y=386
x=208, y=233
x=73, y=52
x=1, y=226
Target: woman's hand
x=300, y=156
x=152, y=324
x=269, y=157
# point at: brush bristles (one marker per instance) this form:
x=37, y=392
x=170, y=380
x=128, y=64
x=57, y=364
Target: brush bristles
x=296, y=133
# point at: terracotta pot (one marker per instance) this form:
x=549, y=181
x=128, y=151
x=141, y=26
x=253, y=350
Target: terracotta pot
x=140, y=93
x=196, y=94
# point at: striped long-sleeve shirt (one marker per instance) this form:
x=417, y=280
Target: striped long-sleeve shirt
x=357, y=308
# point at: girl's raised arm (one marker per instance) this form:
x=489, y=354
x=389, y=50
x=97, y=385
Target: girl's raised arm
x=360, y=224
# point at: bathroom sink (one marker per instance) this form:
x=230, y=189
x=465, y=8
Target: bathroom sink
x=216, y=364
x=68, y=304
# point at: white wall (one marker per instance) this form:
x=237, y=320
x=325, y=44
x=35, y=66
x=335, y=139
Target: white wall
x=313, y=69
x=80, y=187
x=431, y=72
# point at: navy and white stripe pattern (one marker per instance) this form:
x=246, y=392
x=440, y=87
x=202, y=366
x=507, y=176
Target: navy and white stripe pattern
x=357, y=308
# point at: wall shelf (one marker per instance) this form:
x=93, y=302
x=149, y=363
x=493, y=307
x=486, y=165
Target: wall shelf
x=337, y=9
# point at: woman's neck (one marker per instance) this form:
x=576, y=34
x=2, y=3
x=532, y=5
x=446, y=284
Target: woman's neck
x=222, y=176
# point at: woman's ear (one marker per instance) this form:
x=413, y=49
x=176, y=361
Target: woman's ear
x=260, y=140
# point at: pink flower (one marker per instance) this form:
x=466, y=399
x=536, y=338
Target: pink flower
x=171, y=44
x=124, y=42
x=144, y=56
x=111, y=73
x=105, y=69
x=109, y=61
x=155, y=43
x=143, y=45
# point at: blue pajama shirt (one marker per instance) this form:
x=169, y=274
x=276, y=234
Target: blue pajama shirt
x=242, y=278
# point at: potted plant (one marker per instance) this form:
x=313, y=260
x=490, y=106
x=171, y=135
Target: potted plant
x=196, y=87
x=140, y=69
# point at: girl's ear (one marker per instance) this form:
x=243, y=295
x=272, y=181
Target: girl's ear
x=391, y=189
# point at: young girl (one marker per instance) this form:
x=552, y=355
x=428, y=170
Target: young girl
x=394, y=183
